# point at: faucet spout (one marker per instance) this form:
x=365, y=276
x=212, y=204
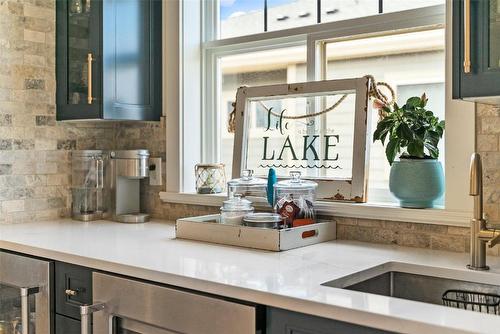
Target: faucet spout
x=476, y=184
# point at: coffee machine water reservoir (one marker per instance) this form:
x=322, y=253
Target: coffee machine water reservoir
x=88, y=185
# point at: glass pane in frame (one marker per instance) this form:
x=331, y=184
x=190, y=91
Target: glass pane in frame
x=240, y=17
x=79, y=26
x=334, y=10
x=399, y=5
x=309, y=138
x=284, y=14
x=412, y=63
x=282, y=136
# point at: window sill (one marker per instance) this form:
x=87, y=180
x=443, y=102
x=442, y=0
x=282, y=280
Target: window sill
x=352, y=210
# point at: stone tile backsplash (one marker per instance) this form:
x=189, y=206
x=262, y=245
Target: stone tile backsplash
x=35, y=150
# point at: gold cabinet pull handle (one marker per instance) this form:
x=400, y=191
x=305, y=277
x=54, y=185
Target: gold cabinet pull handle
x=89, y=78
x=70, y=292
x=467, y=61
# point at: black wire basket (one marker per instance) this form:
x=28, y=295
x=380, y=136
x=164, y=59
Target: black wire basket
x=472, y=301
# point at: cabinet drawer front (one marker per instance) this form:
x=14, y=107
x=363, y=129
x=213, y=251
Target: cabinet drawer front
x=167, y=309
x=73, y=289
x=281, y=321
x=65, y=325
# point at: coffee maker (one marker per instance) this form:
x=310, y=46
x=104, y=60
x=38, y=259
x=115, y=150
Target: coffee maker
x=128, y=167
x=106, y=185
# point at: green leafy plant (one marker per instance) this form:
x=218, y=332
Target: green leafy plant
x=410, y=130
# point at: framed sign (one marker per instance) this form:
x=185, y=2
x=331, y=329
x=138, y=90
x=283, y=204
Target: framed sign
x=318, y=128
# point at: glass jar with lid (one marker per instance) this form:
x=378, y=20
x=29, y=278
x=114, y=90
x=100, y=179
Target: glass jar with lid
x=234, y=209
x=247, y=185
x=294, y=200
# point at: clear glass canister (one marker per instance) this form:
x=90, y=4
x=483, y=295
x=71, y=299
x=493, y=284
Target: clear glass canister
x=87, y=186
x=234, y=209
x=247, y=185
x=294, y=200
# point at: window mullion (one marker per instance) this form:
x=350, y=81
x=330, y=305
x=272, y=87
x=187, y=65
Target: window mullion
x=265, y=15
x=318, y=11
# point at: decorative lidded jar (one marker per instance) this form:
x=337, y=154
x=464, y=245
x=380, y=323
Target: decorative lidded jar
x=234, y=209
x=247, y=185
x=294, y=200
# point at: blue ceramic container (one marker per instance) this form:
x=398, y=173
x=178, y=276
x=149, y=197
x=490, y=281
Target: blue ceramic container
x=417, y=183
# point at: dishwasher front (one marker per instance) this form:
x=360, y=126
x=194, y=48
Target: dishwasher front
x=128, y=306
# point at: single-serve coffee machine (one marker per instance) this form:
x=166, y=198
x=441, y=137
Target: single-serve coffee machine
x=128, y=167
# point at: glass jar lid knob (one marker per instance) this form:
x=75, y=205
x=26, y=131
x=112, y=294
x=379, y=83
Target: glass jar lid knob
x=247, y=174
x=295, y=177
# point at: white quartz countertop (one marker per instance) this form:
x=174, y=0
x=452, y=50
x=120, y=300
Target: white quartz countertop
x=290, y=280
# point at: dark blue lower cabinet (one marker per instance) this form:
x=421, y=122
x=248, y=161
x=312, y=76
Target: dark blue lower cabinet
x=66, y=325
x=281, y=321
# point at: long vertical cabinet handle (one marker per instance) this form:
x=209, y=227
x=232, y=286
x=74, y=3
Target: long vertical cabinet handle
x=90, y=58
x=467, y=33
x=86, y=315
x=25, y=307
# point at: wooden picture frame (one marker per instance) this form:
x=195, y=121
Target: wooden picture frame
x=351, y=189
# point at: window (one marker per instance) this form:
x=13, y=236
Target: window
x=399, y=43
x=411, y=58
x=246, y=17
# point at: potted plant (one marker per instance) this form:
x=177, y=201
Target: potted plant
x=412, y=133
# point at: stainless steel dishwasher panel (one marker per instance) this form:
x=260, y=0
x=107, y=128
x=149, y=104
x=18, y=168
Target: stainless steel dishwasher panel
x=25, y=299
x=132, y=306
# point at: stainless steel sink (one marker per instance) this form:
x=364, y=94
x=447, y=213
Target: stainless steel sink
x=413, y=282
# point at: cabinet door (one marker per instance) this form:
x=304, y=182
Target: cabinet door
x=482, y=82
x=73, y=288
x=78, y=59
x=65, y=325
x=281, y=321
x=132, y=58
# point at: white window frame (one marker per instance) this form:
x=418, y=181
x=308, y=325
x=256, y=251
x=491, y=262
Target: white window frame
x=192, y=131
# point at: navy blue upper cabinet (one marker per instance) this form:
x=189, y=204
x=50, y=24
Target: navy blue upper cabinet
x=476, y=41
x=109, y=59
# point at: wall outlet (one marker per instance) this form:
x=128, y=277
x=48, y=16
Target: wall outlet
x=155, y=172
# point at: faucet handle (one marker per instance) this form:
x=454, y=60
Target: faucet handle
x=495, y=240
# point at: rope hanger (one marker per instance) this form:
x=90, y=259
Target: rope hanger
x=373, y=92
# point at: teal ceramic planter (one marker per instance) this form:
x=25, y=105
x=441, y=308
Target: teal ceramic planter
x=417, y=183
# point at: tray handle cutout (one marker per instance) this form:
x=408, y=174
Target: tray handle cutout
x=310, y=234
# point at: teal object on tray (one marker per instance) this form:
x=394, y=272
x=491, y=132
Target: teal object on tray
x=271, y=180
x=417, y=183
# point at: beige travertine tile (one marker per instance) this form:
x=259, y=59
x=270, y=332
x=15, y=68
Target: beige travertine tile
x=487, y=142
x=449, y=242
x=12, y=206
x=455, y=230
x=420, y=240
